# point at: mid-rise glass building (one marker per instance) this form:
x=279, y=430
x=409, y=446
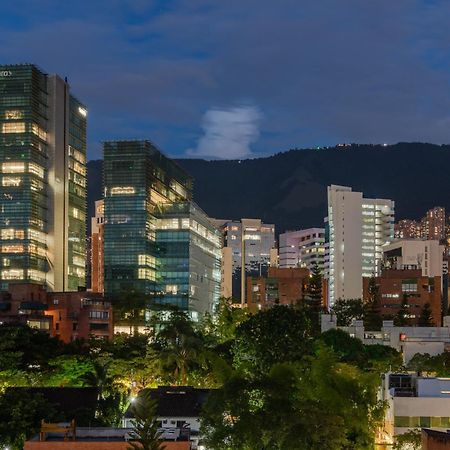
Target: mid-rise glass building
x=189, y=259
x=43, y=180
x=139, y=180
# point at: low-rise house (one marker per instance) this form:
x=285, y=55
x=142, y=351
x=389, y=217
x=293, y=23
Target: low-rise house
x=64, y=437
x=414, y=402
x=178, y=407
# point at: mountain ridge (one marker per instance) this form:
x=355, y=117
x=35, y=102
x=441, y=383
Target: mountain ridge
x=289, y=188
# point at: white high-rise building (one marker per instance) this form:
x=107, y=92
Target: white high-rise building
x=357, y=229
x=302, y=248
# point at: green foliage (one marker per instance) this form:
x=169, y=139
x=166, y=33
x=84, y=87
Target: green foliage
x=315, y=403
x=20, y=417
x=371, y=358
x=411, y=440
x=22, y=348
x=68, y=370
x=281, y=333
x=348, y=309
x=438, y=364
x=401, y=318
x=313, y=298
x=145, y=434
x=371, y=315
x=180, y=347
x=426, y=317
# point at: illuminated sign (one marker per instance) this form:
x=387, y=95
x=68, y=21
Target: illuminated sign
x=5, y=73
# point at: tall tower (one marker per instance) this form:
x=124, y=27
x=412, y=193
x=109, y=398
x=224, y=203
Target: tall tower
x=43, y=180
x=139, y=180
x=357, y=228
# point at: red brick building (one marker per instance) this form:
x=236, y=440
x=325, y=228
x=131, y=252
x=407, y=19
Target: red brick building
x=67, y=315
x=285, y=286
x=97, y=252
x=396, y=285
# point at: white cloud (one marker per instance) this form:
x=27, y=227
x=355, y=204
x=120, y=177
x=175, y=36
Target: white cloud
x=228, y=133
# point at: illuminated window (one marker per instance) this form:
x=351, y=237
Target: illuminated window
x=13, y=114
x=78, y=261
x=36, y=169
x=11, y=181
x=12, y=274
x=171, y=289
x=38, y=131
x=82, y=111
x=13, y=127
x=13, y=167
x=36, y=275
x=122, y=190
x=12, y=248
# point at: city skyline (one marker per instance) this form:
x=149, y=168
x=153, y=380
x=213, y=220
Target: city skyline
x=145, y=69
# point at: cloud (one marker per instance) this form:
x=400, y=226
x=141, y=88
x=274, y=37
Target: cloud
x=228, y=133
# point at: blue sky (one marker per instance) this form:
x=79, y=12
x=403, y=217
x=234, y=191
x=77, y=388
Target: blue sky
x=243, y=78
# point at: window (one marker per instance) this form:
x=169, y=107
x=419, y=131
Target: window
x=38, y=131
x=13, y=127
x=99, y=314
x=11, y=181
x=13, y=167
x=13, y=114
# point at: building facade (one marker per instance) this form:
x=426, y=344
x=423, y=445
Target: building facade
x=356, y=229
x=251, y=242
x=416, y=254
x=66, y=315
x=285, y=286
x=397, y=286
x=414, y=402
x=138, y=181
x=97, y=248
x=189, y=259
x=303, y=248
x=408, y=340
x=43, y=180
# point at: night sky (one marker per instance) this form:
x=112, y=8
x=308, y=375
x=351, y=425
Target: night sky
x=243, y=78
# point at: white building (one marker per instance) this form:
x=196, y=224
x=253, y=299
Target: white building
x=407, y=340
x=426, y=255
x=414, y=402
x=303, y=248
x=357, y=229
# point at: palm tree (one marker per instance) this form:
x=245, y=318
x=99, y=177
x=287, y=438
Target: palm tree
x=145, y=434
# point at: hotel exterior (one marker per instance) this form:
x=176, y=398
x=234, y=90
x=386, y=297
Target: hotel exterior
x=43, y=180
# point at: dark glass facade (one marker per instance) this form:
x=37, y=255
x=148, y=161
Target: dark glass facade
x=189, y=259
x=40, y=122
x=138, y=181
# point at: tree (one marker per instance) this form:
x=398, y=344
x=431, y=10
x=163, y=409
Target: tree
x=316, y=403
x=372, y=317
x=279, y=334
x=401, y=318
x=411, y=440
x=110, y=400
x=129, y=309
x=145, y=434
x=20, y=417
x=313, y=297
x=426, y=318
x=180, y=347
x=348, y=309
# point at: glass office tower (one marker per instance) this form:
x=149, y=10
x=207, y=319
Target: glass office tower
x=138, y=180
x=189, y=268
x=43, y=180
